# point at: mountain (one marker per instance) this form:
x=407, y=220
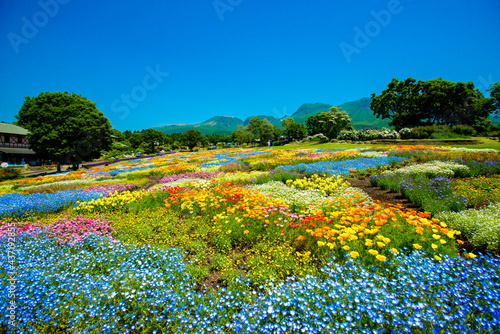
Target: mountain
x=273, y=120
x=359, y=111
x=361, y=114
x=222, y=125
x=309, y=109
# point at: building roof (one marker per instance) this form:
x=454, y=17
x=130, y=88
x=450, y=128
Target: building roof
x=16, y=150
x=12, y=129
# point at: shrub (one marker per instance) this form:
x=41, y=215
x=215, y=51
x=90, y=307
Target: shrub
x=464, y=130
x=9, y=173
x=405, y=133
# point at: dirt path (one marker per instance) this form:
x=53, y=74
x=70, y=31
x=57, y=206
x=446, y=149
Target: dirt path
x=152, y=181
x=384, y=196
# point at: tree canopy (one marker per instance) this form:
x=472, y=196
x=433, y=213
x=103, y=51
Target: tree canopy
x=262, y=129
x=65, y=128
x=329, y=123
x=293, y=130
x=495, y=98
x=192, y=137
x=411, y=103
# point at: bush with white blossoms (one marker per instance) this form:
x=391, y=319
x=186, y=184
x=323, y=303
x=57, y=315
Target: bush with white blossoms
x=431, y=169
x=289, y=194
x=481, y=227
x=405, y=133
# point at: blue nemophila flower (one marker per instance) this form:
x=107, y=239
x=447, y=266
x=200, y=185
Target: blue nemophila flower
x=342, y=168
x=97, y=286
x=19, y=205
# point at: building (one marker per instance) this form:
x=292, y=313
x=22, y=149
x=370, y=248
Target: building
x=14, y=146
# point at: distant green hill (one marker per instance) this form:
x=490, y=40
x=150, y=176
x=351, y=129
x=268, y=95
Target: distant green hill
x=309, y=109
x=359, y=111
x=361, y=114
x=222, y=125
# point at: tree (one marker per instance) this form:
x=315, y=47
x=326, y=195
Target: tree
x=135, y=139
x=262, y=129
x=398, y=102
x=152, y=138
x=411, y=103
x=65, y=128
x=241, y=135
x=293, y=130
x=329, y=123
x=192, y=137
x=495, y=98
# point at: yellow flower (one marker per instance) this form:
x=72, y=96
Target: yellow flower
x=354, y=254
x=442, y=241
x=417, y=246
x=346, y=247
x=229, y=232
x=321, y=243
x=437, y=257
x=245, y=232
x=300, y=237
x=373, y=252
x=435, y=236
x=434, y=246
x=380, y=244
x=394, y=250
x=472, y=255
x=330, y=245
x=380, y=257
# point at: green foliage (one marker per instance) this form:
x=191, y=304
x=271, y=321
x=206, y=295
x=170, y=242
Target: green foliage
x=329, y=123
x=192, y=138
x=9, y=173
x=152, y=138
x=411, y=103
x=65, y=128
x=263, y=129
x=292, y=130
x=495, y=98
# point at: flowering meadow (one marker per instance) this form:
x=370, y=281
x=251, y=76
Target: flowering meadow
x=256, y=241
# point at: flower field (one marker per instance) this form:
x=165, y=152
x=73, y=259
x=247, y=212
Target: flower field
x=245, y=241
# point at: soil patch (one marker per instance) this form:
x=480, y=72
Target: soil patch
x=384, y=196
x=152, y=181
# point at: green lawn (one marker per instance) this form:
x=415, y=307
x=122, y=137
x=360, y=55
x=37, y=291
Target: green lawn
x=488, y=143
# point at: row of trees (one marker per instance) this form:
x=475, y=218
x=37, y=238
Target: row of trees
x=68, y=128
x=412, y=103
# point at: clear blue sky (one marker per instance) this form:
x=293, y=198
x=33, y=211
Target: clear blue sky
x=149, y=63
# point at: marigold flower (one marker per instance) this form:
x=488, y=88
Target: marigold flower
x=346, y=247
x=300, y=237
x=246, y=232
x=381, y=258
x=321, y=243
x=354, y=254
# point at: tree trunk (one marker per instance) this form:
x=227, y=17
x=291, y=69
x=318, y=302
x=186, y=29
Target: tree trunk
x=58, y=167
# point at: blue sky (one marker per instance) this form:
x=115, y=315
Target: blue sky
x=151, y=63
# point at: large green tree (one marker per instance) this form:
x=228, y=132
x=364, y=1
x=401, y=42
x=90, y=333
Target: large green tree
x=495, y=98
x=293, y=130
x=329, y=123
x=192, y=137
x=65, y=128
x=262, y=129
x=411, y=103
x=152, y=138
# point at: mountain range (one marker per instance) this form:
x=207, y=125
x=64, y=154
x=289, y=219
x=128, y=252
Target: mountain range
x=359, y=111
